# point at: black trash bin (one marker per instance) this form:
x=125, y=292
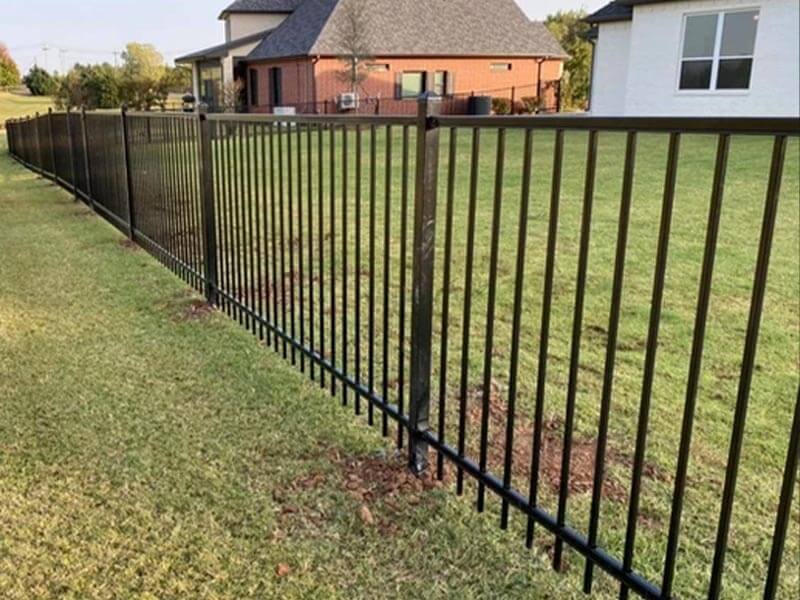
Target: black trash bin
x=479, y=105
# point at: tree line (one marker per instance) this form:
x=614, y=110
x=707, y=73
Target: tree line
x=143, y=81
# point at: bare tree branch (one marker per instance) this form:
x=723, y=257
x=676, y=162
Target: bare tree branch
x=354, y=41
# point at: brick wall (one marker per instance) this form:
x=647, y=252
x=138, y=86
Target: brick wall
x=467, y=75
x=297, y=83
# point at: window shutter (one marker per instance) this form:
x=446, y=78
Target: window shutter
x=398, y=86
x=450, y=83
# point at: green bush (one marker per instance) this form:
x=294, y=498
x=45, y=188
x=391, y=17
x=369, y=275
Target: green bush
x=501, y=106
x=529, y=105
x=40, y=82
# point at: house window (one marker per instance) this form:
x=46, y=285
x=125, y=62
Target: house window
x=412, y=84
x=378, y=68
x=211, y=83
x=253, y=79
x=275, y=87
x=717, y=50
x=499, y=67
x=440, y=83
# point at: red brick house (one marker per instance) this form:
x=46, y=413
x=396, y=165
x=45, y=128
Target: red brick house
x=288, y=53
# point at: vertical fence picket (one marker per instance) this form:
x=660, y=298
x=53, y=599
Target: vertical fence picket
x=51, y=146
x=128, y=174
x=693, y=379
x=784, y=505
x=748, y=363
x=86, y=162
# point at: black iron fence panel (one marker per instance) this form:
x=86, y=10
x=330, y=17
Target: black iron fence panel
x=62, y=151
x=107, y=172
x=78, y=153
x=165, y=187
x=565, y=310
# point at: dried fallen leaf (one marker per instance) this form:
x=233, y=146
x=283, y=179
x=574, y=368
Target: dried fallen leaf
x=282, y=570
x=366, y=515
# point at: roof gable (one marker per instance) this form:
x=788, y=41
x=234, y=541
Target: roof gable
x=411, y=27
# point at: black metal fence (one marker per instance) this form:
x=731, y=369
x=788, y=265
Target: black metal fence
x=376, y=253
x=514, y=100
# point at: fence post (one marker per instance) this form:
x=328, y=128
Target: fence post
x=72, y=157
x=86, y=166
x=208, y=209
x=38, y=136
x=513, y=98
x=127, y=160
x=52, y=148
x=428, y=108
x=558, y=96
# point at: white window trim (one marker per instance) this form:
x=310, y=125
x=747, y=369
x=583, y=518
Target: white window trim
x=715, y=59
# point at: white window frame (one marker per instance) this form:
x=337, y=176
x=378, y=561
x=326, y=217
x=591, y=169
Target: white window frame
x=423, y=85
x=715, y=59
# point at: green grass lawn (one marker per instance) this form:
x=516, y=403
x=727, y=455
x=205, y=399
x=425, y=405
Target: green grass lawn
x=774, y=387
x=15, y=104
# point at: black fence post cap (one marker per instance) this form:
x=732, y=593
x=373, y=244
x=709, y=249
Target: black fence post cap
x=428, y=96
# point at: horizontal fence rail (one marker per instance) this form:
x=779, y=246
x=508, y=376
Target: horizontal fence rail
x=534, y=300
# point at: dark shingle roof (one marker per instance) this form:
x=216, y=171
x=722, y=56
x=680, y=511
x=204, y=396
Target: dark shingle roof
x=222, y=49
x=297, y=34
x=613, y=11
x=256, y=6
x=546, y=41
x=413, y=28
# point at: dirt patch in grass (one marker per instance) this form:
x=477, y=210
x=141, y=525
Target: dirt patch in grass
x=381, y=486
x=129, y=244
x=83, y=212
x=195, y=310
x=582, y=456
x=600, y=336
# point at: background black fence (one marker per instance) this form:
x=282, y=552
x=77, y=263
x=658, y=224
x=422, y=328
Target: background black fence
x=513, y=100
x=434, y=273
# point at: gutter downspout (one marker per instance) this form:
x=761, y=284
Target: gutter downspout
x=314, y=62
x=593, y=42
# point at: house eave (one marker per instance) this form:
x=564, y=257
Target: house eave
x=222, y=50
x=379, y=56
x=226, y=13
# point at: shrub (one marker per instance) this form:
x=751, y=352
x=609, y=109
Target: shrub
x=529, y=104
x=40, y=82
x=501, y=106
x=90, y=86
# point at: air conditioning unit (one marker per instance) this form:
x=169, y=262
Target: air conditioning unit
x=348, y=101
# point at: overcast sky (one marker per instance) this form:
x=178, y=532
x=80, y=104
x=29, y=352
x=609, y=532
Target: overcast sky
x=93, y=30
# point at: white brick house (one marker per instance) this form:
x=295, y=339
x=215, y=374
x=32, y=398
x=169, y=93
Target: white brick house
x=696, y=58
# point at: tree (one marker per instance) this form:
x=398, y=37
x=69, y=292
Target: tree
x=90, y=86
x=354, y=41
x=176, y=80
x=570, y=29
x=40, y=82
x=143, y=75
x=232, y=95
x=9, y=72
